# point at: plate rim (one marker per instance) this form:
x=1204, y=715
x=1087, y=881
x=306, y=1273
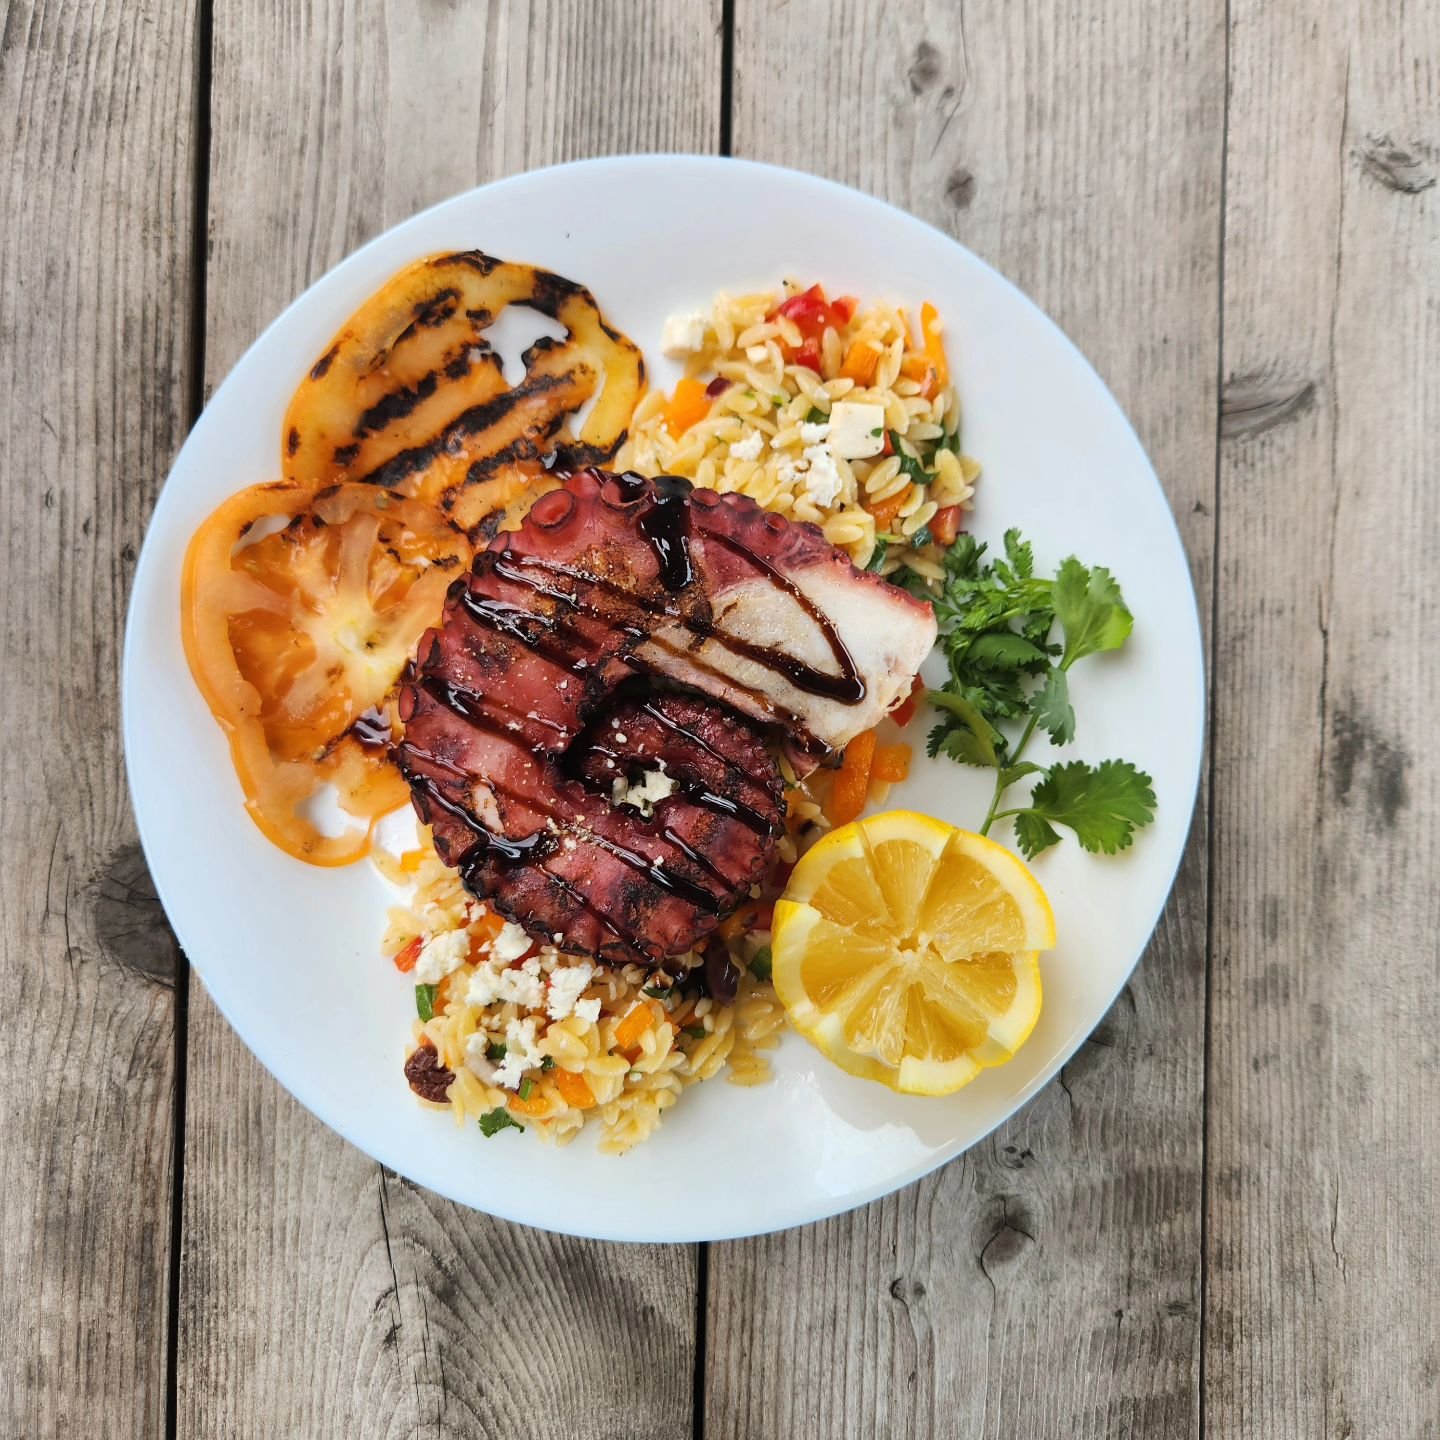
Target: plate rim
x=832, y=1206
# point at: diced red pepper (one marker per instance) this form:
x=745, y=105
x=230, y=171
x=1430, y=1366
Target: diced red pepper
x=945, y=525
x=812, y=314
x=904, y=712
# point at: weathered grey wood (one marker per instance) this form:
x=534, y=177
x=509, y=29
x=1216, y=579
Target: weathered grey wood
x=1049, y=1283
x=96, y=168
x=319, y=1295
x=1324, y=1119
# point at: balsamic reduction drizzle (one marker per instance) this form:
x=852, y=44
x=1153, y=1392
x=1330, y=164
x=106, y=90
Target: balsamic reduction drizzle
x=509, y=852
x=372, y=729
x=666, y=525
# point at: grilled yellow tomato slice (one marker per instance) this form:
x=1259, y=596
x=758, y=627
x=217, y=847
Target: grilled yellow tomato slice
x=411, y=397
x=299, y=612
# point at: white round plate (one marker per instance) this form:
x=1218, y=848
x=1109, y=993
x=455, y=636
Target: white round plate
x=291, y=953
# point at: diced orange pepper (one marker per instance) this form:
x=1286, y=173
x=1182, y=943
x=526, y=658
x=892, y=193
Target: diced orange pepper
x=688, y=404
x=486, y=928
x=574, y=1089
x=410, y=861
x=861, y=360
x=537, y=1104
x=852, y=780
x=892, y=763
x=405, y=960
x=921, y=368
x=630, y=1030
x=886, y=510
x=934, y=345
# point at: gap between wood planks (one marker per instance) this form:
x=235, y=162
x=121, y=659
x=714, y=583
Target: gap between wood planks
x=1211, y=694
x=702, y=1249
x=199, y=245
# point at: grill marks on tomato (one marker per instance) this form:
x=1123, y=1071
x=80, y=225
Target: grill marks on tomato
x=411, y=397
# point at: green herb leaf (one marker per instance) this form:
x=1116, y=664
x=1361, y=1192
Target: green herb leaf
x=877, y=555
x=494, y=1051
x=695, y=1032
x=780, y=400
x=1005, y=650
x=1053, y=709
x=492, y=1122
x=817, y=416
x=1034, y=834
x=996, y=622
x=527, y=1087
x=922, y=537
x=548, y=1063
x=966, y=735
x=909, y=462
x=1020, y=554
x=1090, y=609
x=761, y=963
x=425, y=1001
x=656, y=992
x=1009, y=774
x=1103, y=805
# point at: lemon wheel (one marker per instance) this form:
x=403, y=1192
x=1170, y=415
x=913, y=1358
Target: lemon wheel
x=906, y=951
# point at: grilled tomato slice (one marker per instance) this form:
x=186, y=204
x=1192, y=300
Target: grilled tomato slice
x=299, y=612
x=411, y=397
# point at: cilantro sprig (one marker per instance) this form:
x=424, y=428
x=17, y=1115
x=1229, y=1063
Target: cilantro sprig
x=1009, y=667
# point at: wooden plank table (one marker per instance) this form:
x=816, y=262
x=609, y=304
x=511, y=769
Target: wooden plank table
x=1223, y=1219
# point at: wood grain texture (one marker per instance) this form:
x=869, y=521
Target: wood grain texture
x=1324, y=1123
x=320, y=1295
x=96, y=167
x=1048, y=1283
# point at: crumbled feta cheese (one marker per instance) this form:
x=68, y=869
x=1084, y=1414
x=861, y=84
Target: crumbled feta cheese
x=527, y=989
x=821, y=479
x=522, y=1053
x=588, y=1011
x=510, y=944
x=441, y=955
x=683, y=334
x=856, y=431
x=621, y=739
x=484, y=987
x=566, y=987
x=647, y=792
x=749, y=448
x=814, y=434
x=477, y=1057
x=493, y=983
